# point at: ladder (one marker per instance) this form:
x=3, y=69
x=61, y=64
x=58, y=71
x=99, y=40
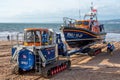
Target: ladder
x=38, y=63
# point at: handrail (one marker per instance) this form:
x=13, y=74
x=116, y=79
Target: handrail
x=18, y=37
x=66, y=19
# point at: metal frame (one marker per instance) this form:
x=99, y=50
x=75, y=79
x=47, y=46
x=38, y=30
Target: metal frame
x=66, y=19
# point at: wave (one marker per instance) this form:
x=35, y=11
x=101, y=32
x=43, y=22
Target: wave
x=12, y=35
x=113, y=37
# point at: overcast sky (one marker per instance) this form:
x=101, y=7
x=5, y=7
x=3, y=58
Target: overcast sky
x=54, y=10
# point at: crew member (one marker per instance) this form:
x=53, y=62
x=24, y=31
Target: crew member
x=44, y=38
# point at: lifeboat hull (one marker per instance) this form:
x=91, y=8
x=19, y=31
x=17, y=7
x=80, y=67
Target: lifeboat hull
x=79, y=37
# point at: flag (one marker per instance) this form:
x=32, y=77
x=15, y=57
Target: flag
x=94, y=10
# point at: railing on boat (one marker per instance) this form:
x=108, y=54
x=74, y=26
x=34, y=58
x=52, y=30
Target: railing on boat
x=68, y=21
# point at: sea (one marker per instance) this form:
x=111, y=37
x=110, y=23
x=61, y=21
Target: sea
x=11, y=29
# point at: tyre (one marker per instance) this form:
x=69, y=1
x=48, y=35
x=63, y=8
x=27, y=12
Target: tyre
x=91, y=52
x=68, y=64
x=86, y=50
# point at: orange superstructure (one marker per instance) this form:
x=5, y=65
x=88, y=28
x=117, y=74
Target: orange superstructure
x=88, y=24
x=82, y=24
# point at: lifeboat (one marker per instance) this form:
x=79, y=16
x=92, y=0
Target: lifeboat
x=79, y=33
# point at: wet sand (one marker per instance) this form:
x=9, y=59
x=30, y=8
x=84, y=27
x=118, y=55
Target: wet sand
x=101, y=67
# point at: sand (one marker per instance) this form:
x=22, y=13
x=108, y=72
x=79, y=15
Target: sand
x=101, y=67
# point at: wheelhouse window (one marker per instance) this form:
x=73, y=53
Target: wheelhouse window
x=32, y=36
x=78, y=22
x=86, y=23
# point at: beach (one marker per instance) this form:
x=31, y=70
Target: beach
x=59, y=39
x=101, y=67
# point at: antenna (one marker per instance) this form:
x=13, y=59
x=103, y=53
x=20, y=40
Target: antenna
x=79, y=14
x=91, y=6
x=91, y=3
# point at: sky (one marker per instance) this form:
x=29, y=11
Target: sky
x=50, y=11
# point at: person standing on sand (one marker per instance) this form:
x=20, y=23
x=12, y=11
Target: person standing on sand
x=8, y=38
